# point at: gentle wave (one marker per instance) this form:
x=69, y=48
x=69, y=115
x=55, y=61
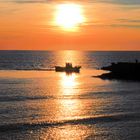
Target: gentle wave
x=27, y=98
x=22, y=98
x=83, y=121
x=91, y=95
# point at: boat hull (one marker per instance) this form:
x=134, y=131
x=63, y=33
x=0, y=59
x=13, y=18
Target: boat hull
x=68, y=70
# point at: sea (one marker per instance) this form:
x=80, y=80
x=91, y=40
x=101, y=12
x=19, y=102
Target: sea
x=37, y=103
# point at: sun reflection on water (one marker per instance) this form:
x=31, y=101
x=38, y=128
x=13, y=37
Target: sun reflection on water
x=68, y=82
x=69, y=105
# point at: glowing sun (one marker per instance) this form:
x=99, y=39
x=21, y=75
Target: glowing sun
x=69, y=16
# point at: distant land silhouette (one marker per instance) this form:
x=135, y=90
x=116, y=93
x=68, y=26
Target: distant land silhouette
x=122, y=71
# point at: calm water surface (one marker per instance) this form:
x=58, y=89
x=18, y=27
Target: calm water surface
x=49, y=105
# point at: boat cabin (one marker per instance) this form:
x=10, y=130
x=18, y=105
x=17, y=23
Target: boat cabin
x=68, y=65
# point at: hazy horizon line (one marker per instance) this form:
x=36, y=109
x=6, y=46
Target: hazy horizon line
x=73, y=50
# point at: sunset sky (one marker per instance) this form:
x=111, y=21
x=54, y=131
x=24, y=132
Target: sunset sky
x=79, y=24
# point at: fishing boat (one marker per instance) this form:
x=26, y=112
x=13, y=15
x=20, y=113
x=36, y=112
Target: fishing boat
x=68, y=68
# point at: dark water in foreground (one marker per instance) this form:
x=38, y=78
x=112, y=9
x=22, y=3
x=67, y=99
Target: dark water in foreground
x=48, y=105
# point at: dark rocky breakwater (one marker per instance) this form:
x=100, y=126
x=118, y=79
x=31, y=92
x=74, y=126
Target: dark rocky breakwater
x=122, y=71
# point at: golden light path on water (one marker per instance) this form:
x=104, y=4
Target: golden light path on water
x=69, y=16
x=71, y=107
x=68, y=83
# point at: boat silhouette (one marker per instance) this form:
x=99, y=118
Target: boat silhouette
x=68, y=68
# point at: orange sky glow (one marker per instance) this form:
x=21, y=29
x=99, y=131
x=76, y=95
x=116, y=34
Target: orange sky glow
x=78, y=25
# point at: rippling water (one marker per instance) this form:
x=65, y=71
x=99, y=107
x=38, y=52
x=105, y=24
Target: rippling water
x=48, y=105
x=23, y=60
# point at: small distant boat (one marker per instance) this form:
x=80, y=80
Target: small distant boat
x=68, y=68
